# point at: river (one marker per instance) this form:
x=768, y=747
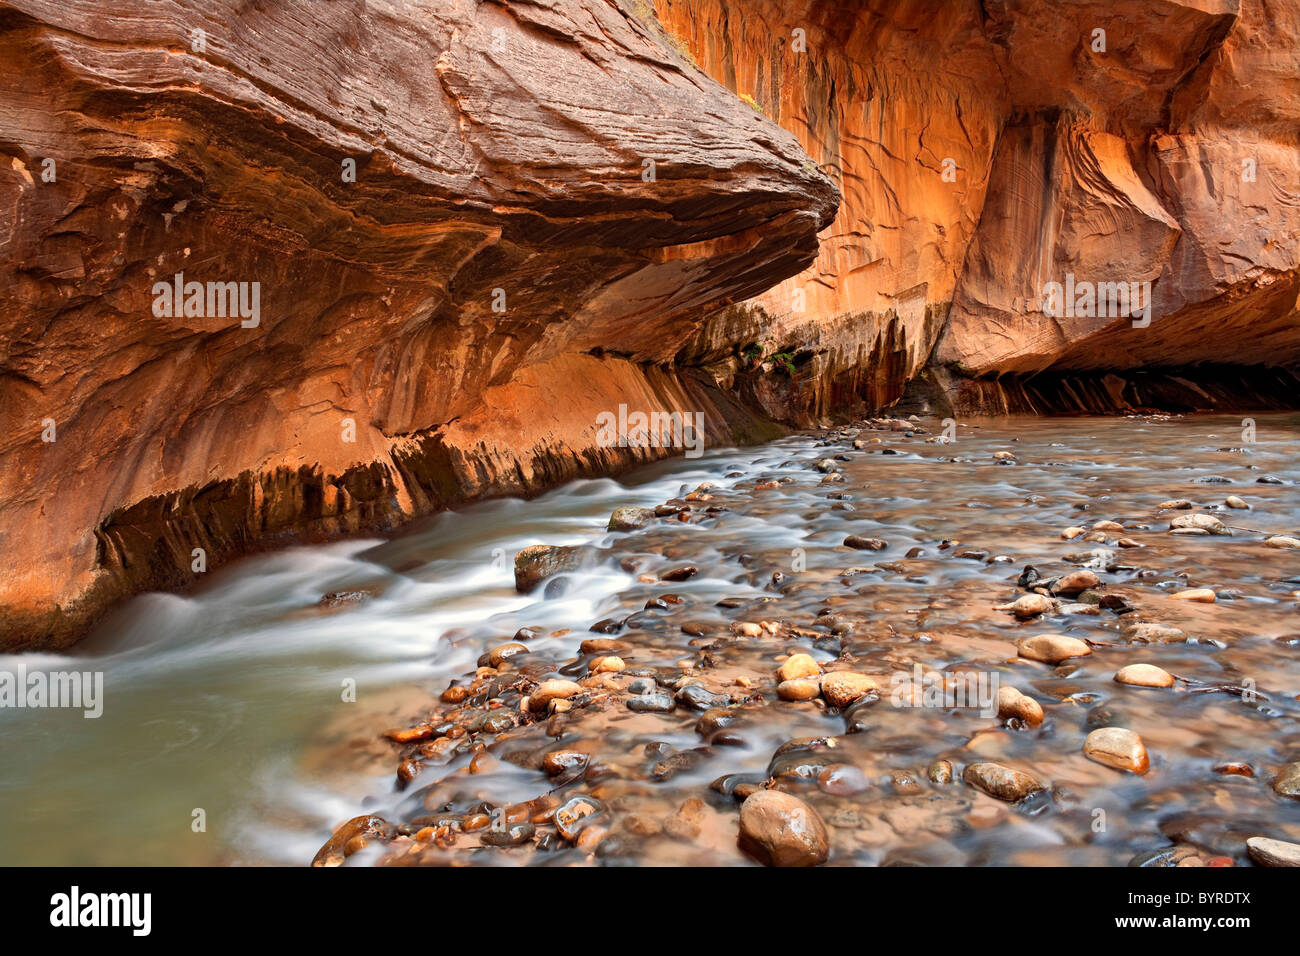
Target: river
x=231, y=705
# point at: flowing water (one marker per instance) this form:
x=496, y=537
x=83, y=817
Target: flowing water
x=241, y=722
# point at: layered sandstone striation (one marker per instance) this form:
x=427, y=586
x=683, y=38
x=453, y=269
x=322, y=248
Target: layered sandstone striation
x=469, y=228
x=1139, y=142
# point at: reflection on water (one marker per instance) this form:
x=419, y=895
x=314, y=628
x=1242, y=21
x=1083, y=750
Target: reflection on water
x=231, y=700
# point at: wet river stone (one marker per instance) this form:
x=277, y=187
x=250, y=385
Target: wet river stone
x=655, y=703
x=796, y=666
x=576, y=814
x=496, y=722
x=1004, y=783
x=699, y=697
x=630, y=519
x=1199, y=522
x=1075, y=583
x=550, y=690
x=713, y=720
x=1268, y=852
x=865, y=544
x=1117, y=747
x=779, y=829
x=502, y=653
x=680, y=574
x=538, y=562
x=1013, y=704
x=1052, y=648
x=940, y=772
x=675, y=763
x=511, y=834
x=800, y=688
x=558, y=761
x=356, y=829
x=1287, y=783
x=843, y=688
x=1147, y=633
x=1145, y=675
x=1030, y=605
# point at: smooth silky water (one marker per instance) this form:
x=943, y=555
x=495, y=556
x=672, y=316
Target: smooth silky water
x=230, y=699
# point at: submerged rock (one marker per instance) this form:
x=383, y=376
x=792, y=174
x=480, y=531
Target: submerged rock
x=1117, y=747
x=1075, y=583
x=799, y=688
x=1199, y=522
x=550, y=690
x=1052, y=648
x=1144, y=632
x=842, y=688
x=798, y=665
x=344, y=840
x=537, y=562
x=779, y=829
x=1030, y=606
x=630, y=519
x=1144, y=675
x=1004, y=783
x=576, y=814
x=1013, y=704
x=509, y=834
x=1287, y=783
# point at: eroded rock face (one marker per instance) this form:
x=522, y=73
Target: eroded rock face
x=448, y=219
x=474, y=226
x=1160, y=151
x=880, y=94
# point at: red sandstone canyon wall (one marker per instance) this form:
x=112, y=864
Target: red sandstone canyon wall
x=475, y=225
x=1166, y=154
x=461, y=258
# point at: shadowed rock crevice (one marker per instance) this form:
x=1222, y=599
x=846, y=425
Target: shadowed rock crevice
x=1206, y=388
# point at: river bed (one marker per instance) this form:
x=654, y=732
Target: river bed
x=256, y=705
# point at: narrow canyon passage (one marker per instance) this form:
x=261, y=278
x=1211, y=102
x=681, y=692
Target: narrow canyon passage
x=672, y=433
x=232, y=699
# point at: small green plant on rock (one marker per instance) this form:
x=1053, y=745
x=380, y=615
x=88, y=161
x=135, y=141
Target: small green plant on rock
x=784, y=362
